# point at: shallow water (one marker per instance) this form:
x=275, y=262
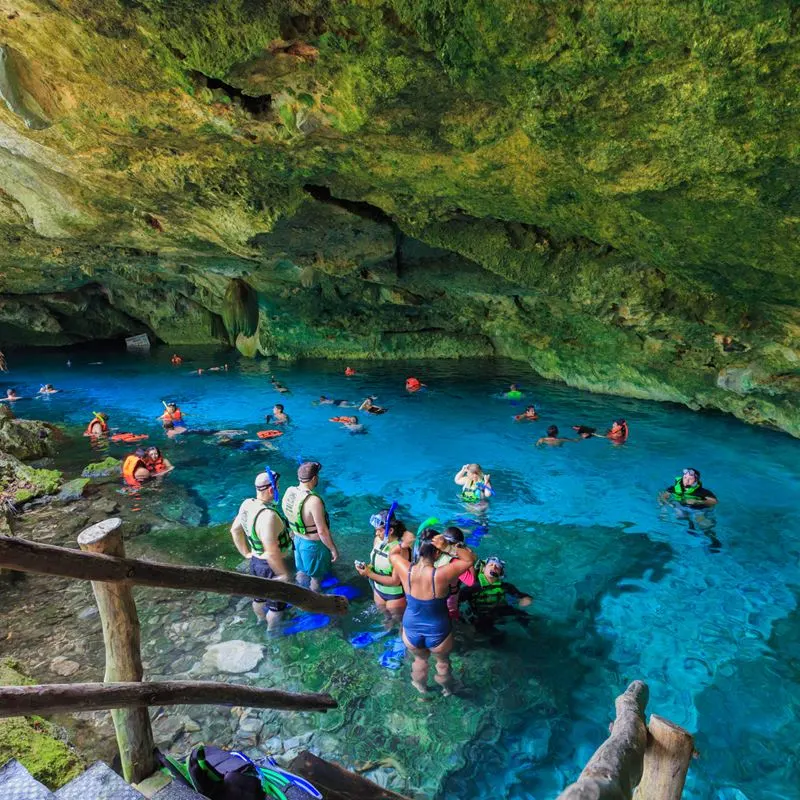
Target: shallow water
x=622, y=588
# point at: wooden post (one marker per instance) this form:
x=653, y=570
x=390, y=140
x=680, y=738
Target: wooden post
x=666, y=760
x=122, y=638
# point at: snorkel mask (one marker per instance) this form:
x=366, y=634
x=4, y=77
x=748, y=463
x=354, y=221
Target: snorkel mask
x=499, y=564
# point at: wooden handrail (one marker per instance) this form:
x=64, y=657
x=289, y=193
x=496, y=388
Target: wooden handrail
x=615, y=769
x=26, y=556
x=54, y=698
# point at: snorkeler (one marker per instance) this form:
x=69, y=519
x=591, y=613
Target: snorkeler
x=413, y=385
x=134, y=467
x=277, y=386
x=176, y=360
x=584, y=431
x=328, y=401
x=475, y=486
x=172, y=414
x=371, y=408
x=350, y=423
x=387, y=588
x=514, y=392
x=260, y=535
x=427, y=629
x=308, y=520
x=278, y=415
x=529, y=415
x=156, y=464
x=98, y=425
x=488, y=598
x=48, y=389
x=552, y=438
x=688, y=490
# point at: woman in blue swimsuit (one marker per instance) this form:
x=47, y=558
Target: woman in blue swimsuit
x=426, y=622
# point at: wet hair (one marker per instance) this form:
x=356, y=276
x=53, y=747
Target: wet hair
x=427, y=535
x=140, y=452
x=619, y=421
x=396, y=528
x=531, y=408
x=354, y=420
x=428, y=551
x=453, y=534
x=552, y=430
x=279, y=406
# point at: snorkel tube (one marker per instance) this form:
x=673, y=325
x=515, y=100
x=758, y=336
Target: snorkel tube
x=429, y=523
x=392, y=509
x=484, y=488
x=273, y=483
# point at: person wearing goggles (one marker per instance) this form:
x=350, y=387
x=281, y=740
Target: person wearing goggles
x=260, y=535
x=488, y=598
x=688, y=490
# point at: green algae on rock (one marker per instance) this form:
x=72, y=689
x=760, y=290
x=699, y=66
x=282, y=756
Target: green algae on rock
x=103, y=469
x=607, y=193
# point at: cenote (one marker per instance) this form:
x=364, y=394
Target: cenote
x=622, y=588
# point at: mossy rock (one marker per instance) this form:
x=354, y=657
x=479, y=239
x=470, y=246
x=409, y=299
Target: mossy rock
x=103, y=469
x=35, y=742
x=22, y=483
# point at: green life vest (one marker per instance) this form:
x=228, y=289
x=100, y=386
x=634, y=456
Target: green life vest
x=471, y=494
x=681, y=491
x=254, y=540
x=488, y=597
x=294, y=498
x=379, y=561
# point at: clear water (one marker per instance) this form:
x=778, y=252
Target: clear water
x=623, y=589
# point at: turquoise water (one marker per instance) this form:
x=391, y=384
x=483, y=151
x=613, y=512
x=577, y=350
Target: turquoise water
x=622, y=588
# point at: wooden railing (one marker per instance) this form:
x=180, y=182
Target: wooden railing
x=102, y=560
x=645, y=762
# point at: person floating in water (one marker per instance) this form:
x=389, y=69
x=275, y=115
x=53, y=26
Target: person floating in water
x=48, y=389
x=584, y=431
x=260, y=534
x=350, y=423
x=223, y=368
x=552, y=438
x=529, y=415
x=278, y=415
x=688, y=490
x=176, y=360
x=476, y=487
x=278, y=386
x=387, y=588
x=349, y=372
x=172, y=414
x=308, y=520
x=487, y=598
x=413, y=385
x=618, y=432
x=144, y=464
x=427, y=629
x=98, y=426
x=371, y=408
x=11, y=396
x=514, y=392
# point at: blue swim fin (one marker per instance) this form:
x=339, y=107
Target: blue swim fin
x=330, y=581
x=307, y=622
x=366, y=638
x=394, y=653
x=350, y=592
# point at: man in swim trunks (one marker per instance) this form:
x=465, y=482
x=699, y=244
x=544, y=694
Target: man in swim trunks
x=260, y=535
x=488, y=598
x=329, y=401
x=552, y=438
x=305, y=511
x=278, y=415
x=371, y=408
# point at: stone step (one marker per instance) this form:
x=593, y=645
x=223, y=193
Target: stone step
x=16, y=783
x=99, y=782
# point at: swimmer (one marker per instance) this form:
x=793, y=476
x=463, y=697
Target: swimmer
x=173, y=429
x=618, y=432
x=172, y=414
x=156, y=464
x=223, y=368
x=488, y=598
x=261, y=536
x=553, y=439
x=328, y=401
x=514, y=392
x=688, y=490
x=529, y=415
x=134, y=467
x=197, y=372
x=475, y=486
x=351, y=424
x=349, y=372
x=387, y=588
x=98, y=425
x=48, y=389
x=315, y=549
x=427, y=629
x=413, y=385
x=371, y=408
x=277, y=386
x=176, y=360
x=585, y=432
x=11, y=396
x=278, y=415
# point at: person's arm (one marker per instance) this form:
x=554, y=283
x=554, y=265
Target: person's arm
x=463, y=559
x=398, y=556
x=363, y=405
x=385, y=580
x=704, y=500
x=268, y=531
x=487, y=491
x=239, y=539
x=461, y=476
x=540, y=442
x=512, y=591
x=317, y=511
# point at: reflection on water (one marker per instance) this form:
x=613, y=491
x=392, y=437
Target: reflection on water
x=701, y=606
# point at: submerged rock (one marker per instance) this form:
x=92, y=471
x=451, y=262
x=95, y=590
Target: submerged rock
x=21, y=483
x=72, y=490
x=103, y=469
x=234, y=657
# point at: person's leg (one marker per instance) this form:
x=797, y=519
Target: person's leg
x=444, y=675
x=258, y=609
x=419, y=668
x=396, y=608
x=301, y=578
x=319, y=564
x=274, y=614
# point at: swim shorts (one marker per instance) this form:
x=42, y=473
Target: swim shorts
x=261, y=569
x=311, y=557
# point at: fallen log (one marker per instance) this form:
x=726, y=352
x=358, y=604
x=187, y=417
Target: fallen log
x=615, y=769
x=26, y=556
x=666, y=760
x=54, y=698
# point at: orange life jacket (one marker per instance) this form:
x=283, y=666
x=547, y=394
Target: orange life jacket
x=103, y=427
x=130, y=465
x=172, y=416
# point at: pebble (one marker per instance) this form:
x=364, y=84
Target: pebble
x=63, y=666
